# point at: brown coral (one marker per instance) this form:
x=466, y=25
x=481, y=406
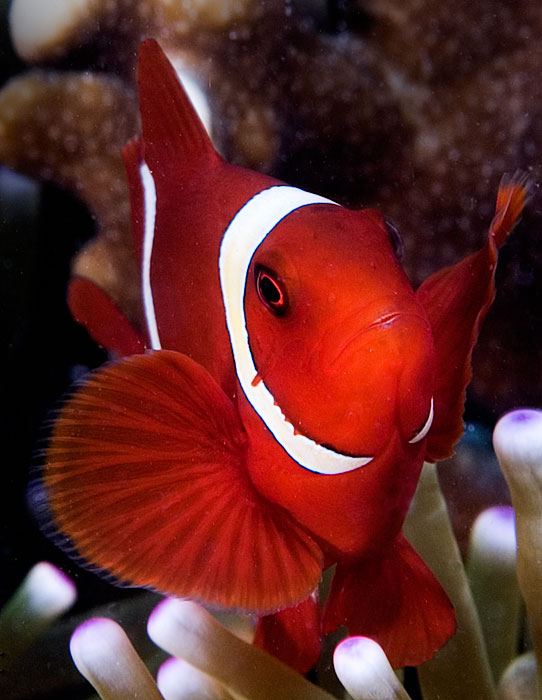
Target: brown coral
x=417, y=107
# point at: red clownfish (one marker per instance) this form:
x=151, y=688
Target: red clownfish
x=273, y=417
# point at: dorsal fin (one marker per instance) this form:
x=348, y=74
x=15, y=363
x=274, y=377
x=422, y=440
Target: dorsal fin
x=174, y=138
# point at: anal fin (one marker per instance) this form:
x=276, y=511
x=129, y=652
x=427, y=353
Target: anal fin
x=395, y=600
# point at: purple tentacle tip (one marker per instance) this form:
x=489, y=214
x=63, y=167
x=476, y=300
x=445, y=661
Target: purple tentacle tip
x=504, y=514
x=355, y=647
x=523, y=415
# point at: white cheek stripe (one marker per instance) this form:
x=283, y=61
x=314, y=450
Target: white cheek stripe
x=149, y=200
x=423, y=432
x=247, y=230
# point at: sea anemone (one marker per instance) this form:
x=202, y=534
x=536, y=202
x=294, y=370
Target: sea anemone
x=417, y=107
x=210, y=661
x=518, y=443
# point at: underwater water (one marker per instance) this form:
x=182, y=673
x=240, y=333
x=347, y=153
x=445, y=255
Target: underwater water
x=400, y=106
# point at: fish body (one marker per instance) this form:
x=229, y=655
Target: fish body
x=293, y=385
x=316, y=360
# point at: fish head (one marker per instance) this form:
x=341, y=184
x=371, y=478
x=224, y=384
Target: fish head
x=336, y=333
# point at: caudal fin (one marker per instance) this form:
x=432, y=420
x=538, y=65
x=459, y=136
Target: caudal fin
x=395, y=600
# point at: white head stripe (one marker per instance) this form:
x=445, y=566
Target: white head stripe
x=149, y=209
x=247, y=230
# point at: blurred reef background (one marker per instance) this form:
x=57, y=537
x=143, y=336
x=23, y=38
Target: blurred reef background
x=416, y=107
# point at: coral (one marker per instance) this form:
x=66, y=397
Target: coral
x=68, y=128
x=416, y=107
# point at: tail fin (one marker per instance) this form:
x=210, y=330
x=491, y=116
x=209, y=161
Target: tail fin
x=173, y=135
x=396, y=601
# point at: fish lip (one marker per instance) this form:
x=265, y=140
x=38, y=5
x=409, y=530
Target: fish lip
x=384, y=320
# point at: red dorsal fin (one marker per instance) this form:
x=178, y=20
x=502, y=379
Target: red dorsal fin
x=146, y=475
x=395, y=600
x=456, y=300
x=174, y=138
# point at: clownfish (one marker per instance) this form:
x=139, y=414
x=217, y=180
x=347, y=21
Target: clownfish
x=272, y=417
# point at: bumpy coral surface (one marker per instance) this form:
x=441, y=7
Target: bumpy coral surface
x=416, y=106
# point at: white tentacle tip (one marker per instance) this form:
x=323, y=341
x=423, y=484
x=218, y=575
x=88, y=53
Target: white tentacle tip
x=365, y=672
x=49, y=592
x=176, y=609
x=493, y=534
x=105, y=656
x=94, y=643
x=517, y=440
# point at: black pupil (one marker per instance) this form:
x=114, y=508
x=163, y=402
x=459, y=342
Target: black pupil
x=269, y=290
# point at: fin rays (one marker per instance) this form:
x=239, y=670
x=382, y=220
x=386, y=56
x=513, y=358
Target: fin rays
x=174, y=139
x=456, y=300
x=150, y=484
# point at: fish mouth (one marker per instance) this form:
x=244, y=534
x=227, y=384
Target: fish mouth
x=385, y=319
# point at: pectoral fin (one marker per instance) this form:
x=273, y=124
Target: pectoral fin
x=145, y=475
x=456, y=300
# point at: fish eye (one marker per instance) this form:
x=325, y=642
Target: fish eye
x=271, y=291
x=396, y=239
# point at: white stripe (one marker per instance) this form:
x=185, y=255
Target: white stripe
x=247, y=230
x=423, y=432
x=149, y=198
